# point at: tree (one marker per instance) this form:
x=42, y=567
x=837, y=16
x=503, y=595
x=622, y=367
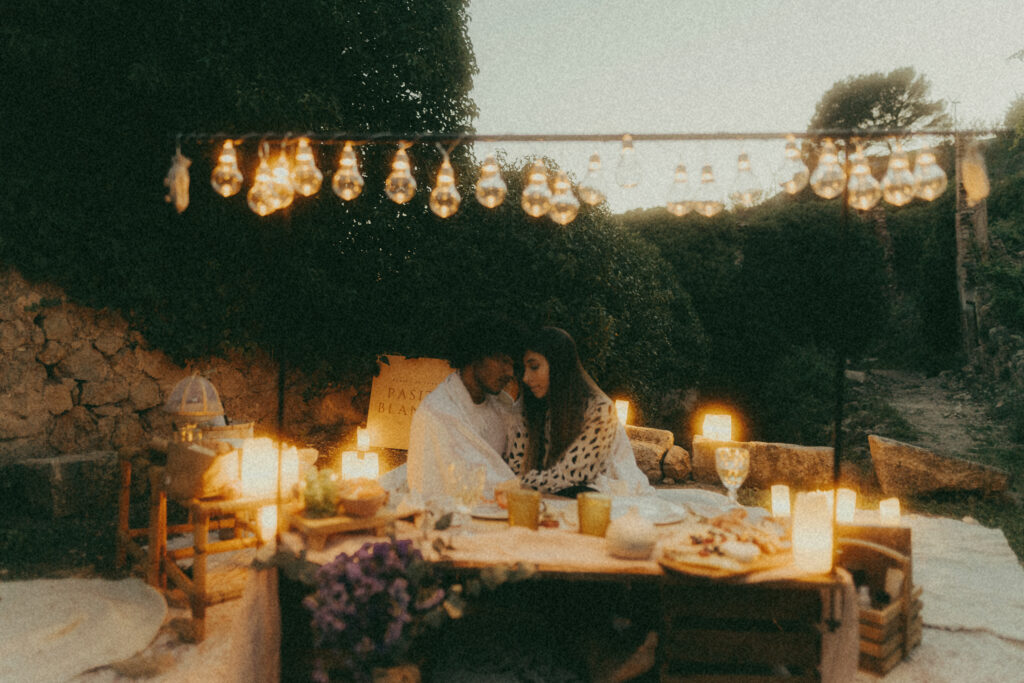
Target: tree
x=898, y=99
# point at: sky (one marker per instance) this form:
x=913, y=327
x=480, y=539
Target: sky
x=688, y=66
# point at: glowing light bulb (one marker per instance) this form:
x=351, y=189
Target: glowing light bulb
x=679, y=199
x=746, y=189
x=305, y=176
x=898, y=185
x=445, y=197
x=260, y=195
x=536, y=200
x=794, y=171
x=347, y=181
x=593, y=189
x=564, y=205
x=828, y=178
x=931, y=179
x=226, y=179
x=491, y=187
x=177, y=181
x=709, y=196
x=627, y=173
x=863, y=191
x=400, y=186
x=282, y=191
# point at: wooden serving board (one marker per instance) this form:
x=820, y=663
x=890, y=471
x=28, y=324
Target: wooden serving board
x=724, y=567
x=317, y=530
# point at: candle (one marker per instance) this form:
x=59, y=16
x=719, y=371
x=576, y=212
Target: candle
x=356, y=464
x=363, y=439
x=267, y=520
x=622, y=410
x=259, y=467
x=846, y=503
x=780, y=500
x=889, y=511
x=812, y=532
x=718, y=427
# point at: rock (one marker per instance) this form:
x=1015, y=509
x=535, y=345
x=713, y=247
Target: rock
x=19, y=370
x=86, y=364
x=52, y=353
x=57, y=396
x=109, y=342
x=13, y=334
x=907, y=470
x=648, y=458
x=56, y=325
x=804, y=467
x=676, y=464
x=110, y=390
x=858, y=376
x=661, y=439
x=144, y=393
x=74, y=431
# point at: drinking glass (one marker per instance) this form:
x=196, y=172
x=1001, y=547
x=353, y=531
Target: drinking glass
x=733, y=465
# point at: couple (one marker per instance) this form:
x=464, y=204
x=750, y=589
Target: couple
x=557, y=434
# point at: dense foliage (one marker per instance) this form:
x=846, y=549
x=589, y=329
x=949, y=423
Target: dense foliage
x=898, y=99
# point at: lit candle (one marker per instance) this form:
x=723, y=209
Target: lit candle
x=359, y=464
x=718, y=427
x=846, y=503
x=812, y=532
x=780, y=500
x=363, y=439
x=622, y=409
x=889, y=511
x=259, y=467
x=267, y=522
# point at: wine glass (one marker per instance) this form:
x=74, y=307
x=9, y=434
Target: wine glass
x=733, y=465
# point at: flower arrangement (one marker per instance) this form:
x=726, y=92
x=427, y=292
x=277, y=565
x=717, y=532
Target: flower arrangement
x=369, y=607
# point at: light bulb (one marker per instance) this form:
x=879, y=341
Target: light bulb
x=536, y=195
x=400, y=185
x=260, y=195
x=282, y=191
x=627, y=173
x=709, y=196
x=898, y=185
x=490, y=188
x=305, y=176
x=828, y=178
x=862, y=191
x=794, y=171
x=931, y=179
x=564, y=205
x=592, y=188
x=226, y=179
x=973, y=173
x=746, y=189
x=177, y=181
x=347, y=181
x=445, y=197
x=679, y=199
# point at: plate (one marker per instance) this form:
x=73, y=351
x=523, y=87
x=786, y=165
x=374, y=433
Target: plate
x=651, y=508
x=716, y=567
x=489, y=511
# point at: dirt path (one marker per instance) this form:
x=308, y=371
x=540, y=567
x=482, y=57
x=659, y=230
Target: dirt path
x=948, y=419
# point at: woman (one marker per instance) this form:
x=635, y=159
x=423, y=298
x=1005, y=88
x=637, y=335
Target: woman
x=563, y=440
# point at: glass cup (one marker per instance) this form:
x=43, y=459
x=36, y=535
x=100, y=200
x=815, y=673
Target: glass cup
x=595, y=511
x=733, y=465
x=524, y=508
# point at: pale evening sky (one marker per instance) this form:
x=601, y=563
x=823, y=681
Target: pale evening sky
x=664, y=66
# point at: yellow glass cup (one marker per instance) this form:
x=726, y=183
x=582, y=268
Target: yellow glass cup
x=595, y=511
x=524, y=508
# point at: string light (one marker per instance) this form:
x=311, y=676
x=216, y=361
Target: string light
x=709, y=197
x=828, y=178
x=305, y=177
x=898, y=185
x=260, y=195
x=746, y=190
x=281, y=191
x=347, y=181
x=564, y=205
x=593, y=189
x=794, y=172
x=627, y=173
x=177, y=181
x=400, y=186
x=445, y=197
x=931, y=179
x=491, y=187
x=536, y=200
x=226, y=178
x=679, y=199
x=862, y=191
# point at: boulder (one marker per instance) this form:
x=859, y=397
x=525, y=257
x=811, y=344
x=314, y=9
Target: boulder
x=57, y=395
x=144, y=393
x=86, y=363
x=56, y=325
x=98, y=393
x=907, y=470
x=52, y=353
x=804, y=467
x=676, y=464
x=661, y=439
x=648, y=458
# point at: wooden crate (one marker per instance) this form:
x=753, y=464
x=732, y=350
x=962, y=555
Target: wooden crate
x=887, y=634
x=718, y=632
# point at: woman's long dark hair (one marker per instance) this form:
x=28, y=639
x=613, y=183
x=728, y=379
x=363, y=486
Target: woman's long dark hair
x=568, y=390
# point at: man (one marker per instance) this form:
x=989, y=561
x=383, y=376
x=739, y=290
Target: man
x=463, y=421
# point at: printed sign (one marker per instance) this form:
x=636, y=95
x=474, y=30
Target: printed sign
x=397, y=390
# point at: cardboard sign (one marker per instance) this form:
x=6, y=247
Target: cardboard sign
x=397, y=390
